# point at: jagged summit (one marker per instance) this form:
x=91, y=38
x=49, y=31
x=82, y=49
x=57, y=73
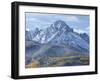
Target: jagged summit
x=61, y=25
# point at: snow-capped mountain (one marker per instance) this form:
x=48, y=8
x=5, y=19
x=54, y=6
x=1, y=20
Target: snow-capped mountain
x=85, y=37
x=59, y=33
x=28, y=35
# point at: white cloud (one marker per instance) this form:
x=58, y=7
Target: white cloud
x=72, y=19
x=31, y=19
x=80, y=31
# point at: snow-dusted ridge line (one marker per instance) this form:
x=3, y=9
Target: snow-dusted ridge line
x=59, y=33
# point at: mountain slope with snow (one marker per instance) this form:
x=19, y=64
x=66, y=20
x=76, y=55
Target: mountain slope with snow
x=59, y=33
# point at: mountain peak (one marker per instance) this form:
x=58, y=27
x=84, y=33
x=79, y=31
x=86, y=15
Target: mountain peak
x=85, y=37
x=61, y=25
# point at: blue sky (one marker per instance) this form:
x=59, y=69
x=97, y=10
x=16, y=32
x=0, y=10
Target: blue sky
x=79, y=23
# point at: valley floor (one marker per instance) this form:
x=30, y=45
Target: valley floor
x=60, y=61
